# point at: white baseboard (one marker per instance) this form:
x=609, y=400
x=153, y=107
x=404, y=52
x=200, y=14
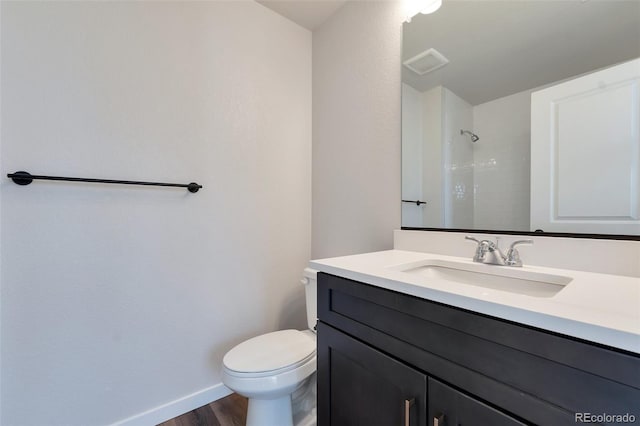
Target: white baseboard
x=175, y=408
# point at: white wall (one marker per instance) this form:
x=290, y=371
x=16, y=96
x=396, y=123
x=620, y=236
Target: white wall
x=356, y=129
x=433, y=173
x=502, y=162
x=412, y=152
x=116, y=300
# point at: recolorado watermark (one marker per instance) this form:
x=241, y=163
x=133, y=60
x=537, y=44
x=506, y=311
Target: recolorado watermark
x=604, y=418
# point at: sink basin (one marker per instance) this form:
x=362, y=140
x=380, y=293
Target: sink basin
x=510, y=279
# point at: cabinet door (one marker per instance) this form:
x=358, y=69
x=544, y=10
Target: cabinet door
x=449, y=407
x=358, y=385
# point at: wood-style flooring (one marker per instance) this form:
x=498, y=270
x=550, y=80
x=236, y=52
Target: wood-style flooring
x=228, y=411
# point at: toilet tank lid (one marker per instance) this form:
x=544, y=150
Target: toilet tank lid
x=271, y=351
x=310, y=273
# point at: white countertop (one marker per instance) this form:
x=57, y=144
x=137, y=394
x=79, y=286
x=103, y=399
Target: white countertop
x=596, y=307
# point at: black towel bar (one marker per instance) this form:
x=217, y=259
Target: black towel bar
x=416, y=202
x=25, y=178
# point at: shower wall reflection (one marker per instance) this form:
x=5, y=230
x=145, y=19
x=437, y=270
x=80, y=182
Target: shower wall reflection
x=481, y=185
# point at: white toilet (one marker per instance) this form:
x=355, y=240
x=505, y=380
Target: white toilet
x=270, y=368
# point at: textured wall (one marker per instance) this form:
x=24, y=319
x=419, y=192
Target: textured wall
x=356, y=129
x=116, y=300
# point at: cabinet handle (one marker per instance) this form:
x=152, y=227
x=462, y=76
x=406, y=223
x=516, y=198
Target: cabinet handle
x=438, y=420
x=408, y=403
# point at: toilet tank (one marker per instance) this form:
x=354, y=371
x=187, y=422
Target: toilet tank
x=311, y=291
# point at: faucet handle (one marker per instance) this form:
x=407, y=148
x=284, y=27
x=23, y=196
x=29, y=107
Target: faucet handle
x=481, y=249
x=513, y=256
x=516, y=243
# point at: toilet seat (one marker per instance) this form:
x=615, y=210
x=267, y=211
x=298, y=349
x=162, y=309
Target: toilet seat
x=270, y=354
x=244, y=374
x=289, y=373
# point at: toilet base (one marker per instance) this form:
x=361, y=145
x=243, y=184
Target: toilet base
x=270, y=412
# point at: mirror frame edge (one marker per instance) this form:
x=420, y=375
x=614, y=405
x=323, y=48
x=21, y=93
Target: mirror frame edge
x=618, y=237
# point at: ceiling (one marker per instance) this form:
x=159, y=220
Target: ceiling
x=497, y=48
x=307, y=13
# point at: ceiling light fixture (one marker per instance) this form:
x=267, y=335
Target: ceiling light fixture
x=413, y=7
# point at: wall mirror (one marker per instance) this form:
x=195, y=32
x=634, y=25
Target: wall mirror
x=523, y=116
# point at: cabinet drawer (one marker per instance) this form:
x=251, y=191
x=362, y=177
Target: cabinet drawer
x=540, y=376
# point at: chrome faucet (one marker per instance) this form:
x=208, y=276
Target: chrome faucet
x=489, y=252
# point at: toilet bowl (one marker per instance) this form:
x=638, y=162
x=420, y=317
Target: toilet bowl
x=269, y=368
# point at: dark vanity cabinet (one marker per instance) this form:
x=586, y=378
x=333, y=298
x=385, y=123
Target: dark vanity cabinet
x=369, y=387
x=386, y=358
